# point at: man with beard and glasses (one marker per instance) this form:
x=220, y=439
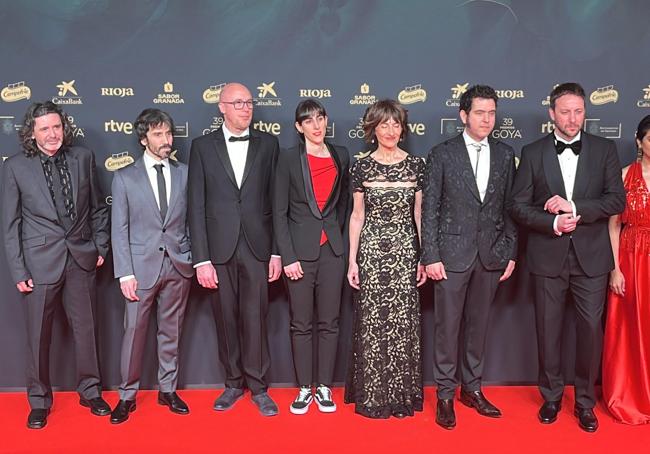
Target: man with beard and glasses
x=152, y=259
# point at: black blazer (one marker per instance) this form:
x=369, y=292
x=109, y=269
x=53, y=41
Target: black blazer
x=598, y=194
x=35, y=241
x=218, y=209
x=297, y=220
x=456, y=225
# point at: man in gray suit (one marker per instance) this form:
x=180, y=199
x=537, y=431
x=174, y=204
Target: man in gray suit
x=152, y=259
x=55, y=227
x=469, y=245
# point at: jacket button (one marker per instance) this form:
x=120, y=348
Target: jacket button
x=164, y=230
x=161, y=248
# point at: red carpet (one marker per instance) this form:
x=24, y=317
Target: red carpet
x=153, y=429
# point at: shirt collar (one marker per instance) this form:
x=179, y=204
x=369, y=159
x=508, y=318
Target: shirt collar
x=575, y=139
x=469, y=140
x=149, y=162
x=227, y=134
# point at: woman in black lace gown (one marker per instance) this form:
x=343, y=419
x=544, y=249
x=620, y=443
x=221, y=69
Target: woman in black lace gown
x=385, y=371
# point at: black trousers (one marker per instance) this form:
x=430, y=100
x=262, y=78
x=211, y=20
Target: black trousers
x=240, y=307
x=550, y=303
x=462, y=301
x=75, y=290
x=319, y=288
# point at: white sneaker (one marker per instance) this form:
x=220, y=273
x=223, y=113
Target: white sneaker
x=300, y=406
x=324, y=399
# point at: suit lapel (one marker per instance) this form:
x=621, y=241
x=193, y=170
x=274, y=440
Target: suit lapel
x=145, y=187
x=336, y=188
x=551, y=166
x=462, y=159
x=582, y=171
x=253, y=149
x=222, y=154
x=495, y=158
x=39, y=178
x=175, y=174
x=308, y=184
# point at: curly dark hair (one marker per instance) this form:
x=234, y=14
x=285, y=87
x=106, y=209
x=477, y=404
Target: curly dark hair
x=151, y=118
x=381, y=111
x=39, y=109
x=476, y=91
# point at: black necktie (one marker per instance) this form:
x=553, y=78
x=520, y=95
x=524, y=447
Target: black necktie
x=238, y=139
x=162, y=190
x=575, y=147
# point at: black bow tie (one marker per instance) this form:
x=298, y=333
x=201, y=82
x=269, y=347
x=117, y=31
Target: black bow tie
x=575, y=147
x=238, y=139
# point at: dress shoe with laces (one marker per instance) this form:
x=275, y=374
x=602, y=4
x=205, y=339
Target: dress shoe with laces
x=122, y=410
x=227, y=399
x=548, y=412
x=175, y=403
x=98, y=406
x=586, y=419
x=37, y=418
x=476, y=399
x=445, y=415
x=265, y=404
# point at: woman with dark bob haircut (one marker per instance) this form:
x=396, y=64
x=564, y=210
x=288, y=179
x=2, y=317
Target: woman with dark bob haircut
x=310, y=202
x=626, y=348
x=385, y=371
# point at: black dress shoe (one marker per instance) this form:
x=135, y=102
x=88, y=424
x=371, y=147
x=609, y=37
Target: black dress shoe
x=476, y=399
x=586, y=419
x=122, y=410
x=175, y=403
x=399, y=414
x=98, y=406
x=228, y=398
x=265, y=404
x=548, y=412
x=445, y=415
x=37, y=418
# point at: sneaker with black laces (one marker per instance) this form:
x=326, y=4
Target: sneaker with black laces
x=324, y=399
x=300, y=406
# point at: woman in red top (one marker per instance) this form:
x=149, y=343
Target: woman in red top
x=626, y=354
x=310, y=203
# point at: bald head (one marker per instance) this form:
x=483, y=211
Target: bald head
x=236, y=120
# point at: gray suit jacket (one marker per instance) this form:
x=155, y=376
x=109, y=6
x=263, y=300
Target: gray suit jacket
x=456, y=225
x=35, y=241
x=140, y=236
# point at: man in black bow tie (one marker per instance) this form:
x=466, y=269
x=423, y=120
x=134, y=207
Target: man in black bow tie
x=230, y=218
x=567, y=186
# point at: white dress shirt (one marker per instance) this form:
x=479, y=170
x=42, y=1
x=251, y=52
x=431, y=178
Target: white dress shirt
x=568, y=166
x=149, y=164
x=481, y=159
x=237, y=152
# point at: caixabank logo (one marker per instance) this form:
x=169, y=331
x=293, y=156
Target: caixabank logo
x=603, y=95
x=212, y=94
x=168, y=96
x=363, y=98
x=15, y=92
x=456, y=92
x=645, y=99
x=412, y=94
x=267, y=95
x=67, y=94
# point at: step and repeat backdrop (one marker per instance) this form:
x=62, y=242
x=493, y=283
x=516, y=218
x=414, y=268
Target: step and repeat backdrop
x=103, y=61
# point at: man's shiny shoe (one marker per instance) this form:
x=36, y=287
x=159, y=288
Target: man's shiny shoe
x=548, y=412
x=122, y=410
x=445, y=415
x=228, y=398
x=98, y=406
x=175, y=403
x=586, y=419
x=37, y=418
x=476, y=399
x=265, y=404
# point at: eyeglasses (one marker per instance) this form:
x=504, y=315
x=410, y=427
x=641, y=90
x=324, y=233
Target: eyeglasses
x=239, y=104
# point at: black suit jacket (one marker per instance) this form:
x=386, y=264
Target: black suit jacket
x=218, y=209
x=456, y=225
x=598, y=194
x=297, y=220
x=35, y=241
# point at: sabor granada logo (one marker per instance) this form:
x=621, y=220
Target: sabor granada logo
x=603, y=95
x=364, y=97
x=15, y=92
x=412, y=94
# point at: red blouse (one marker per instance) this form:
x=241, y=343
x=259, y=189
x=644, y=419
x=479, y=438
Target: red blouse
x=323, y=174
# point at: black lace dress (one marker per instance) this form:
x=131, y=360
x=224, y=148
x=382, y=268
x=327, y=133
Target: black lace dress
x=385, y=371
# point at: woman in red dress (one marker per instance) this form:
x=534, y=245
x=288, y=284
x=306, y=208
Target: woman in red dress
x=626, y=355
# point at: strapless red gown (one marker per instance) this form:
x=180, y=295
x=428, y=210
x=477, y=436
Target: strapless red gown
x=626, y=349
